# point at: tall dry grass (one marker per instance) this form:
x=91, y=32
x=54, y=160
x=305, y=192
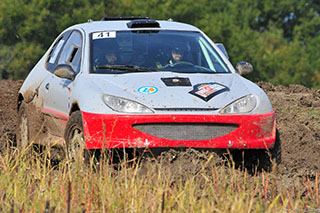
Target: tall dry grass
x=32, y=183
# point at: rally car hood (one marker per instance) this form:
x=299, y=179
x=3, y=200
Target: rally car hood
x=165, y=90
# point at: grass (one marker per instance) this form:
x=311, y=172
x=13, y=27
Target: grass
x=34, y=184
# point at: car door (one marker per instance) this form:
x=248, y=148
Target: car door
x=56, y=91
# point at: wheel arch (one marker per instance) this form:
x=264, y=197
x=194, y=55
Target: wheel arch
x=74, y=107
x=19, y=101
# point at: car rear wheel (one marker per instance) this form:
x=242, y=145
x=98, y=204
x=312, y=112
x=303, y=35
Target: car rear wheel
x=23, y=130
x=75, y=144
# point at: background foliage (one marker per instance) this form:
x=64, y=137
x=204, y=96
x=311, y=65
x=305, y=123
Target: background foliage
x=280, y=38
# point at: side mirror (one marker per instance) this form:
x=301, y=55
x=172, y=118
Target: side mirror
x=64, y=71
x=223, y=49
x=244, y=68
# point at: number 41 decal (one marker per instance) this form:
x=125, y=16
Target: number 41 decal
x=100, y=35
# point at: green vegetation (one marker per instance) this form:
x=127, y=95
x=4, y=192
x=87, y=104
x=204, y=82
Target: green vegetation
x=280, y=38
x=34, y=185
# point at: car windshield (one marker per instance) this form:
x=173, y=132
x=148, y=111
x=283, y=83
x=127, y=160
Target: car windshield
x=153, y=51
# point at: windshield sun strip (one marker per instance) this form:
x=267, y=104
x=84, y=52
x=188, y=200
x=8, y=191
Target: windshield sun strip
x=206, y=55
x=216, y=55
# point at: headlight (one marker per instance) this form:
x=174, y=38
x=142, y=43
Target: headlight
x=242, y=105
x=125, y=105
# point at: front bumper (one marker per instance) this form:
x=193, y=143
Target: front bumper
x=116, y=131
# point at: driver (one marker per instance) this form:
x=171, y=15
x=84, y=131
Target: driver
x=106, y=54
x=111, y=58
x=177, y=55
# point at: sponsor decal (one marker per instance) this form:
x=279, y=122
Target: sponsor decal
x=148, y=90
x=100, y=35
x=206, y=91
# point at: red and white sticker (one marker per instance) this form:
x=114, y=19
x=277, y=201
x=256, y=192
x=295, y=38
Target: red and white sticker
x=206, y=91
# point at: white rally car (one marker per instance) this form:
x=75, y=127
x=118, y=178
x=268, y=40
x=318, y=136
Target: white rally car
x=138, y=82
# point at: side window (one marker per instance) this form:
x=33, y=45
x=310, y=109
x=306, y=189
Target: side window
x=71, y=53
x=55, y=51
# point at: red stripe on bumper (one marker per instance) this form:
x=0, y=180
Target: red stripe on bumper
x=115, y=131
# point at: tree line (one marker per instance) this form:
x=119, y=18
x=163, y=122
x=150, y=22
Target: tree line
x=279, y=37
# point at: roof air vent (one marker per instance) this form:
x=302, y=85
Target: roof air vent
x=143, y=23
x=123, y=18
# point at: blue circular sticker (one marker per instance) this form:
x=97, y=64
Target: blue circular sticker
x=148, y=90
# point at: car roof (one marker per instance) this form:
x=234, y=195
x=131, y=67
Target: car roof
x=96, y=26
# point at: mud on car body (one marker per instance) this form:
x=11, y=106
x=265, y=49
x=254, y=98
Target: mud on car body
x=138, y=82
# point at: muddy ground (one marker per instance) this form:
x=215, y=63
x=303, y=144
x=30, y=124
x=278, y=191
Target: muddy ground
x=298, y=121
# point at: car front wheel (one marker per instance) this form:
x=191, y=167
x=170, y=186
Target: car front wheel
x=74, y=138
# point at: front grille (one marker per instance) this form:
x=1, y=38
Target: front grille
x=186, y=131
x=187, y=109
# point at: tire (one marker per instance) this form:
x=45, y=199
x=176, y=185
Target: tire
x=272, y=156
x=276, y=150
x=23, y=129
x=260, y=159
x=74, y=138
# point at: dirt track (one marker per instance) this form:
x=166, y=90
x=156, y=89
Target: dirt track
x=298, y=120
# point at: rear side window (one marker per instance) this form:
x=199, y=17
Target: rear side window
x=71, y=53
x=55, y=51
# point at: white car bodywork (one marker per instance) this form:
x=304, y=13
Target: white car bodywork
x=58, y=97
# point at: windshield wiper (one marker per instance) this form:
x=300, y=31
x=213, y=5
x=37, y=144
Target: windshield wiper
x=130, y=68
